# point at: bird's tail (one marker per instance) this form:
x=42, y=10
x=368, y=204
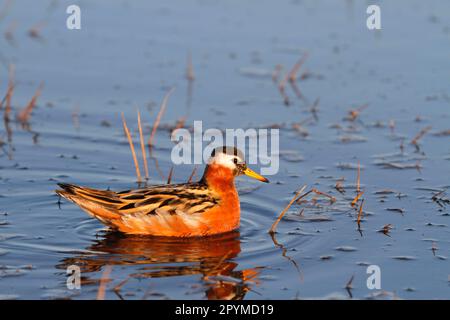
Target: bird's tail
x=101, y=204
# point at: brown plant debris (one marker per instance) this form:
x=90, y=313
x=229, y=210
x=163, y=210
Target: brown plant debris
x=144, y=153
x=24, y=116
x=280, y=216
x=133, y=152
x=159, y=116
x=355, y=200
x=420, y=135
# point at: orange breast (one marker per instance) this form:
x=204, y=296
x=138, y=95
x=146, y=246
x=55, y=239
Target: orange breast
x=224, y=217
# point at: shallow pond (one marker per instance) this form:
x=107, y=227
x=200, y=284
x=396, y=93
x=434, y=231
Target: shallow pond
x=128, y=54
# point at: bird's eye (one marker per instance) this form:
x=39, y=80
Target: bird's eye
x=235, y=160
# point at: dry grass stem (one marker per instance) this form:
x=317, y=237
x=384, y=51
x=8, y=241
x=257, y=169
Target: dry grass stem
x=354, y=113
x=355, y=200
x=274, y=225
x=169, y=177
x=360, y=213
x=292, y=75
x=9, y=93
x=144, y=153
x=133, y=152
x=358, y=178
x=192, y=174
x=159, y=116
x=420, y=135
x=190, y=69
x=317, y=192
x=24, y=115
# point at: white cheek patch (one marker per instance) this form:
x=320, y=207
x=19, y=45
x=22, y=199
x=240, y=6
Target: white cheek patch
x=223, y=159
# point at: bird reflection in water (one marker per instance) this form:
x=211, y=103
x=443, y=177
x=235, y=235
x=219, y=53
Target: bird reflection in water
x=212, y=258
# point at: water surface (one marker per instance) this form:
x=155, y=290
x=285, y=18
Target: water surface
x=127, y=56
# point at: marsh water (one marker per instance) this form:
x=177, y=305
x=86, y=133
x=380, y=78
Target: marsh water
x=126, y=57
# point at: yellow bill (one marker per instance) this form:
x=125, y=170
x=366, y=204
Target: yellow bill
x=252, y=174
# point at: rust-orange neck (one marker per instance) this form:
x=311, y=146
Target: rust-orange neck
x=219, y=178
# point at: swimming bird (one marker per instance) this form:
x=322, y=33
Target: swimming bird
x=207, y=207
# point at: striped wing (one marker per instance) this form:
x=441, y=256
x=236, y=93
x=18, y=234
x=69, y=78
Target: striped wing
x=171, y=199
x=187, y=198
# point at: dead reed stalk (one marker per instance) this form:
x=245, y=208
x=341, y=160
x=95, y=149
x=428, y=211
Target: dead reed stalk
x=9, y=93
x=192, y=174
x=158, y=117
x=144, y=153
x=360, y=213
x=420, y=135
x=282, y=89
x=318, y=192
x=354, y=113
x=169, y=178
x=130, y=141
x=358, y=178
x=24, y=115
x=292, y=75
x=355, y=200
x=190, y=69
x=275, y=224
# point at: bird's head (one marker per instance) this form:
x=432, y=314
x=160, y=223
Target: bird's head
x=229, y=162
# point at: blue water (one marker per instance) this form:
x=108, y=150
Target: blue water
x=126, y=57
